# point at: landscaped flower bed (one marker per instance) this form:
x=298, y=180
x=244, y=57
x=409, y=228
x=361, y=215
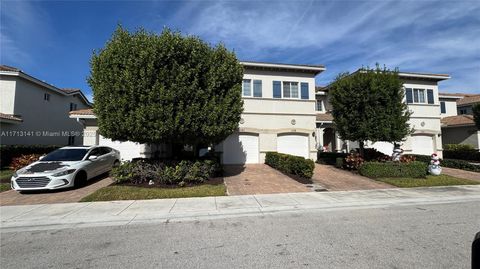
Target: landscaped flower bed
x=166, y=173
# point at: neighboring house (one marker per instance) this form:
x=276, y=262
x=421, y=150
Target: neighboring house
x=33, y=112
x=279, y=115
x=459, y=129
x=421, y=96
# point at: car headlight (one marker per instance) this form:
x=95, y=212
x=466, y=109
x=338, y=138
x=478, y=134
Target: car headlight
x=15, y=174
x=63, y=173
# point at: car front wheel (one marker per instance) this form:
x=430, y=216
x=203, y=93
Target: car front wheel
x=80, y=179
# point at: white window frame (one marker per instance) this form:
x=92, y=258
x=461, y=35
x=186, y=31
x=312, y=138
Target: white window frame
x=418, y=94
x=298, y=90
x=251, y=87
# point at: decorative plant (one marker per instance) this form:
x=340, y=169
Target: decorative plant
x=23, y=160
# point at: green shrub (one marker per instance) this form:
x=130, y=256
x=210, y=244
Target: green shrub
x=452, y=163
x=468, y=155
x=290, y=164
x=339, y=162
x=460, y=164
x=168, y=172
x=8, y=152
x=329, y=158
x=372, y=154
x=458, y=147
x=393, y=169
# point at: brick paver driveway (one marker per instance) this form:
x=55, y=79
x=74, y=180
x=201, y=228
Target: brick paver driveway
x=334, y=179
x=461, y=173
x=259, y=179
x=12, y=197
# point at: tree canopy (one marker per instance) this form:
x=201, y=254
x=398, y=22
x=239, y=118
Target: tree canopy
x=166, y=88
x=368, y=106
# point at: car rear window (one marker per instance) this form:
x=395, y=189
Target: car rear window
x=65, y=155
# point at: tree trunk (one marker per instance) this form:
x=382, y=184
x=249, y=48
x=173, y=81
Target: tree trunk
x=362, y=149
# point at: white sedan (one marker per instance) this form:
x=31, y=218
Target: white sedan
x=66, y=167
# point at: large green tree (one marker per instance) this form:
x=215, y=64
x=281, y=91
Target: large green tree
x=166, y=88
x=476, y=115
x=368, y=106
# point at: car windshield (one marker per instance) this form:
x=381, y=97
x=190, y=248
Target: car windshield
x=65, y=155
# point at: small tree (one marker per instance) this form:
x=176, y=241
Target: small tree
x=368, y=105
x=165, y=88
x=476, y=115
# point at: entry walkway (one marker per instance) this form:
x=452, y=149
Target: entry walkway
x=259, y=179
x=461, y=173
x=73, y=215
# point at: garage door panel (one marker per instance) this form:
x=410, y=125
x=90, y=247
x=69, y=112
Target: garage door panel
x=293, y=144
x=422, y=144
x=128, y=150
x=240, y=149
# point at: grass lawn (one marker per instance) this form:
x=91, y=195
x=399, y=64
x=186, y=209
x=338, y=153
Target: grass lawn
x=430, y=181
x=4, y=187
x=117, y=192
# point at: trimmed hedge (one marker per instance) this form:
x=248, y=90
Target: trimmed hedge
x=468, y=155
x=393, y=169
x=8, y=152
x=290, y=164
x=452, y=163
x=330, y=158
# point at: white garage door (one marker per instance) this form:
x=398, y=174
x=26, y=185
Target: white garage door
x=422, y=144
x=240, y=149
x=128, y=150
x=293, y=144
x=384, y=147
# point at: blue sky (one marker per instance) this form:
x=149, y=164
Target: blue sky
x=54, y=40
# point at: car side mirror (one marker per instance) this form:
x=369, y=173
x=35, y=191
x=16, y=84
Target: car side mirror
x=93, y=158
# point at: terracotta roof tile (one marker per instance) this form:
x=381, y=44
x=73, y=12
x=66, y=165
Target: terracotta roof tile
x=460, y=120
x=10, y=117
x=469, y=99
x=88, y=111
x=324, y=117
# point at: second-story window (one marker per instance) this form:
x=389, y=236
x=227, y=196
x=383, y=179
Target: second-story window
x=443, y=109
x=319, y=105
x=463, y=111
x=290, y=89
x=73, y=106
x=46, y=97
x=419, y=96
x=247, y=87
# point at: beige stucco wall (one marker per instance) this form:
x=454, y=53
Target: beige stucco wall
x=269, y=117
x=44, y=122
x=450, y=107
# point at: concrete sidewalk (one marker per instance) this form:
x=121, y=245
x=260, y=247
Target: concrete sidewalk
x=58, y=216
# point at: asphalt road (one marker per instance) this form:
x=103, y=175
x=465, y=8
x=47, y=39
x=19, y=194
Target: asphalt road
x=417, y=236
